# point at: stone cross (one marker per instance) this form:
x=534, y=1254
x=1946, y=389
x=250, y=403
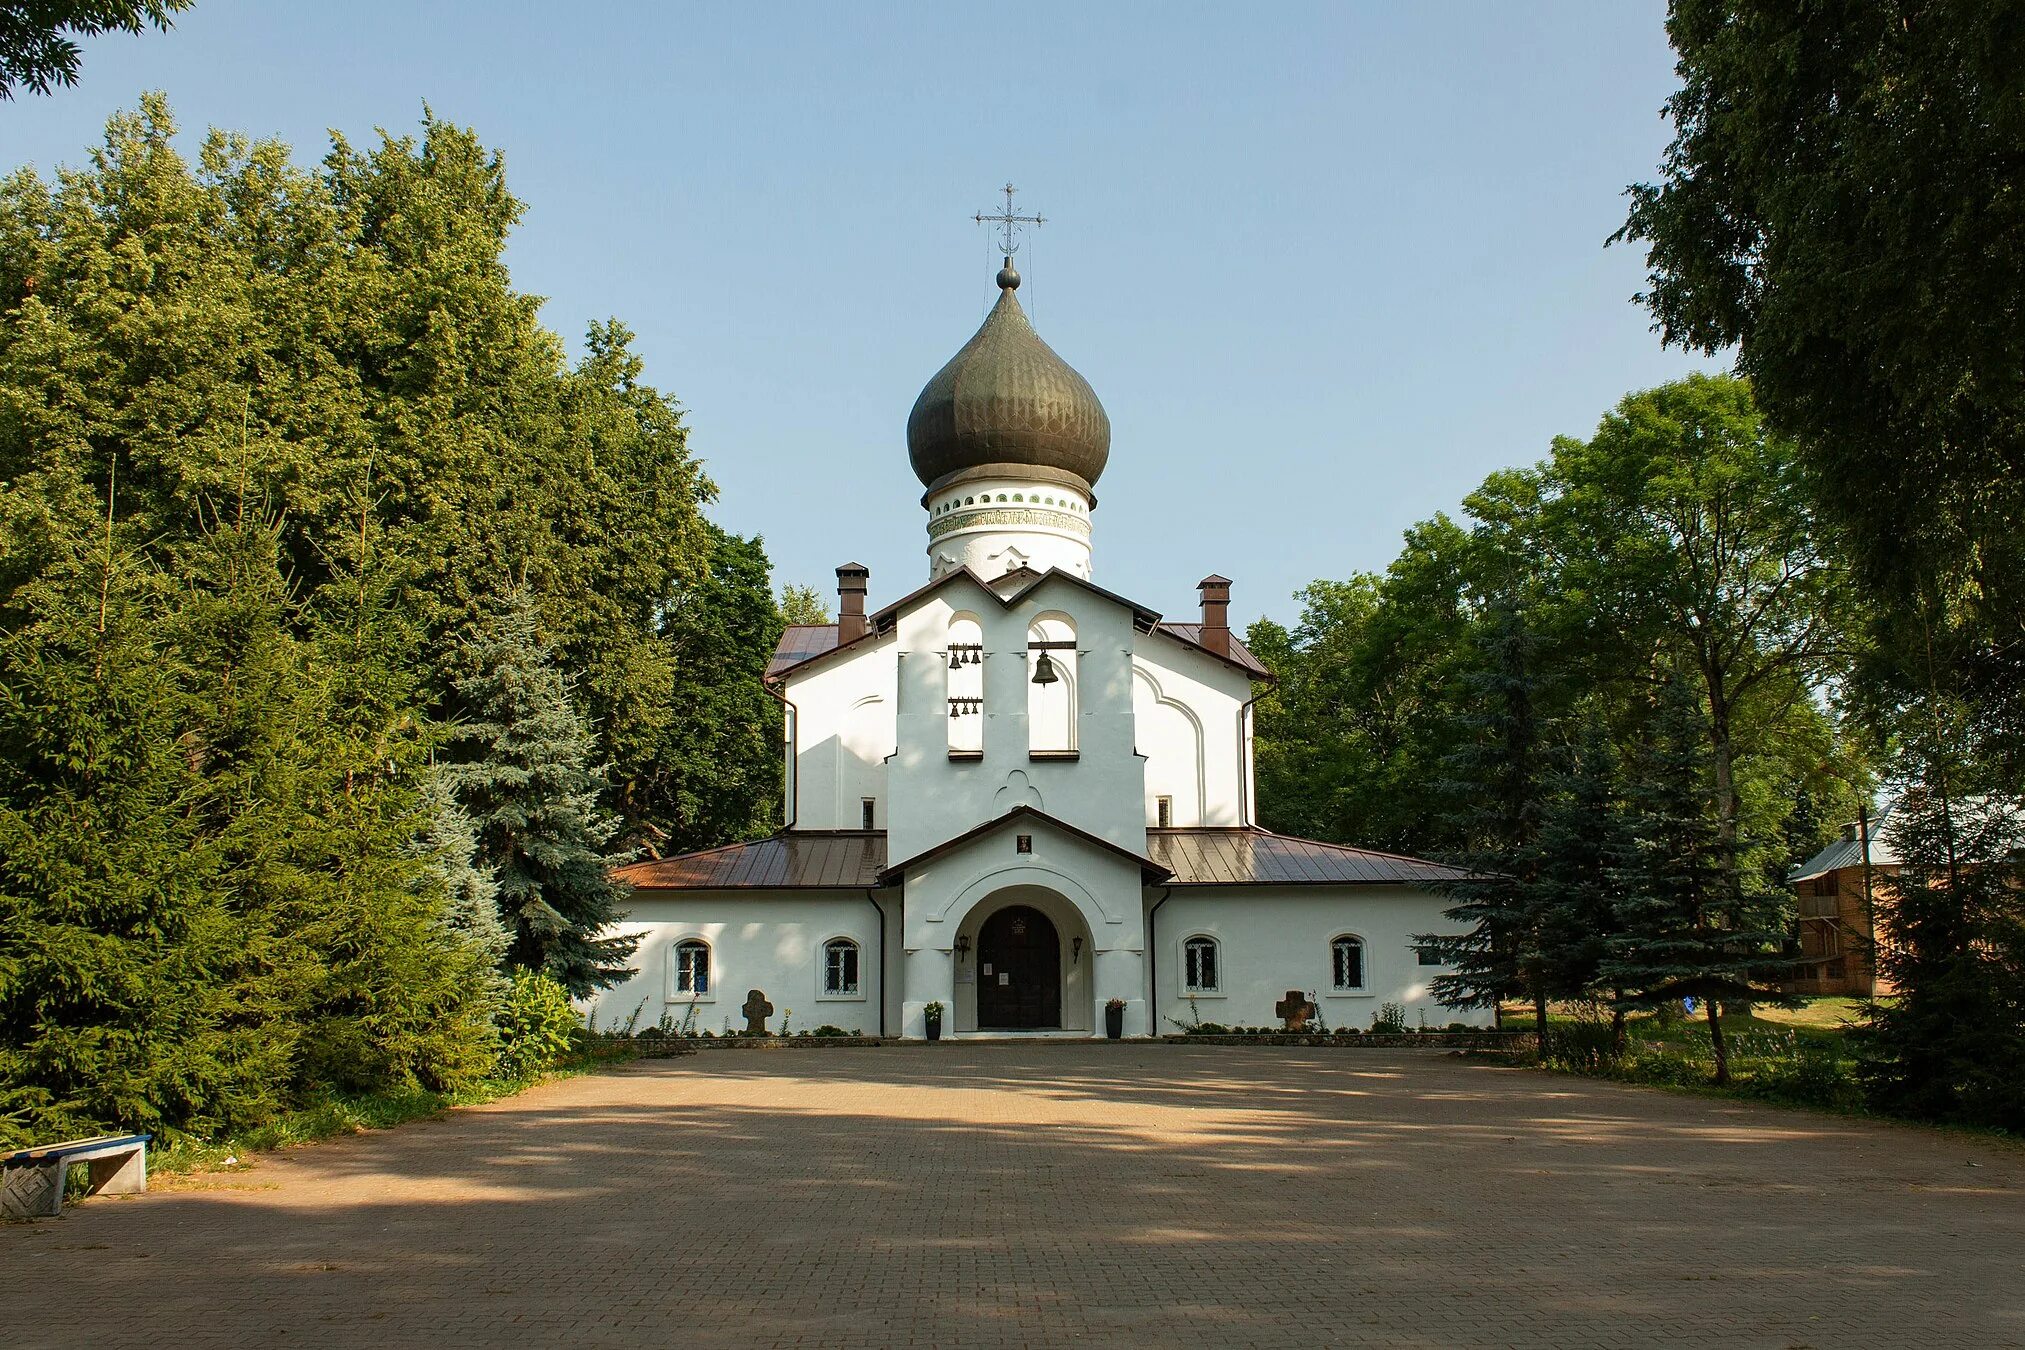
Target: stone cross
x=1294, y=1010
x=756, y=1011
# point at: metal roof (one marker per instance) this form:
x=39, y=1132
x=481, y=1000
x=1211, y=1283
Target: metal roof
x=1247, y=857
x=794, y=860
x=802, y=642
x=856, y=860
x=1240, y=655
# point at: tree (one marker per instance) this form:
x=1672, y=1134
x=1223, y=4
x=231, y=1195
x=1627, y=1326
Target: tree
x=1585, y=835
x=531, y=787
x=121, y=998
x=708, y=771
x=1687, y=539
x=1695, y=919
x=1948, y=1046
x=1497, y=795
x=342, y=346
x=1844, y=203
x=36, y=51
x=803, y=605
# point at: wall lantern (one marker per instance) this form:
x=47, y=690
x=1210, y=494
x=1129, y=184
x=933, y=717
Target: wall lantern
x=1075, y=950
x=962, y=947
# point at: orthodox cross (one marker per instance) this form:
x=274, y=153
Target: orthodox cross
x=1009, y=222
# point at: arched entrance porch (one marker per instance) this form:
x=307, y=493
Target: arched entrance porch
x=1023, y=964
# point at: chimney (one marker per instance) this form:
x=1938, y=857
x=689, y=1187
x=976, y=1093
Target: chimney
x=1215, y=613
x=851, y=579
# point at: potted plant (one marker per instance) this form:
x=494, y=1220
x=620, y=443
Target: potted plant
x=932, y=1015
x=1114, y=1018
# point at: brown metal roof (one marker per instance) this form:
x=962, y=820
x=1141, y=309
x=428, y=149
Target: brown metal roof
x=802, y=642
x=795, y=860
x=1242, y=857
x=1240, y=655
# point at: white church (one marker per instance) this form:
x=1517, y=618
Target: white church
x=1014, y=798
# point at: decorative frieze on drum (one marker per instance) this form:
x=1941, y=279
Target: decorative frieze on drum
x=1009, y=517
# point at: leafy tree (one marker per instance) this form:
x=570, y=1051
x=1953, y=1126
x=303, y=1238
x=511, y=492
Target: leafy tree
x=530, y=784
x=803, y=605
x=343, y=346
x=36, y=51
x=1844, y=203
x=1695, y=920
x=1685, y=538
x=708, y=771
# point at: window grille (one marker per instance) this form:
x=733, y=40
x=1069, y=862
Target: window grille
x=1163, y=811
x=1347, y=957
x=868, y=810
x=840, y=966
x=692, y=967
x=1200, y=972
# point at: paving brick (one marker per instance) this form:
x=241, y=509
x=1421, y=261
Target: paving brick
x=994, y=1195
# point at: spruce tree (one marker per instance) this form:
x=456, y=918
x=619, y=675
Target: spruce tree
x=1496, y=790
x=470, y=889
x=531, y=787
x=1584, y=834
x=1949, y=1045
x=1695, y=919
x=314, y=762
x=120, y=1003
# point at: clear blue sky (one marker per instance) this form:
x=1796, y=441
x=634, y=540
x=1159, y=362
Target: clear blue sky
x=1327, y=265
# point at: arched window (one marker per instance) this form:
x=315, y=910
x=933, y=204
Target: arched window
x=1346, y=955
x=1051, y=685
x=965, y=668
x=840, y=966
x=692, y=967
x=1199, y=966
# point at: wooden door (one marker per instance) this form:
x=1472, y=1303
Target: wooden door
x=1019, y=971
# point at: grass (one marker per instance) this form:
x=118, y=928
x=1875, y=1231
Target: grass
x=339, y=1115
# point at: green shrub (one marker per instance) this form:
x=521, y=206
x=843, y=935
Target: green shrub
x=536, y=1025
x=827, y=1030
x=1389, y=1020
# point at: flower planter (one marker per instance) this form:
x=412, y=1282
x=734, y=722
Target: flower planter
x=934, y=1023
x=1114, y=1023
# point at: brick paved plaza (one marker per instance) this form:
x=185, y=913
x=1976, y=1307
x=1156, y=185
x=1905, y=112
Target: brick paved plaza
x=1058, y=1194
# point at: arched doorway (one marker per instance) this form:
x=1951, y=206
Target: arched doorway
x=1019, y=971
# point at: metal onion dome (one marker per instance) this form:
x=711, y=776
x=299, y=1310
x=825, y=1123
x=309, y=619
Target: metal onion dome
x=1006, y=404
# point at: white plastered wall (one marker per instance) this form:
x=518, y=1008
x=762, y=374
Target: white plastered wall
x=844, y=714
x=1186, y=707
x=1274, y=938
x=766, y=940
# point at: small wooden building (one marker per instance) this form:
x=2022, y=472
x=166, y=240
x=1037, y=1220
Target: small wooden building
x=1838, y=900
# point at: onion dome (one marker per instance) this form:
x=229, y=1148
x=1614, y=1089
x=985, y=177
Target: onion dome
x=1006, y=405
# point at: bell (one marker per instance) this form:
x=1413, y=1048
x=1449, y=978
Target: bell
x=955, y=657
x=952, y=710
x=1044, y=670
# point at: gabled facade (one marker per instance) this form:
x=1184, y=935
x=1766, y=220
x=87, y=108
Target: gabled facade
x=1020, y=796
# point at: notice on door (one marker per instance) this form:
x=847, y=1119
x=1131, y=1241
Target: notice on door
x=1004, y=979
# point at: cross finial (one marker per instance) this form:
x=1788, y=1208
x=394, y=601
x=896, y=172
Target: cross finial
x=1009, y=222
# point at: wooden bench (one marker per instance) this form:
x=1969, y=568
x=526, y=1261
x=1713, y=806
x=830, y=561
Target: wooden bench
x=31, y=1184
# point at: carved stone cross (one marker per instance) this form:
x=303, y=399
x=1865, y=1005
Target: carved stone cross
x=1294, y=1010
x=756, y=1011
